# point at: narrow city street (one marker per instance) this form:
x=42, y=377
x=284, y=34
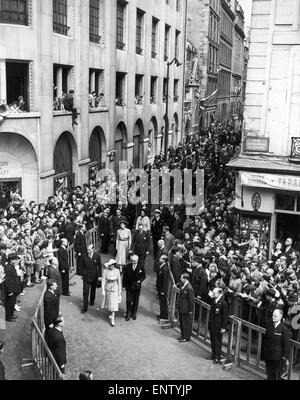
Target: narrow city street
x=132, y=350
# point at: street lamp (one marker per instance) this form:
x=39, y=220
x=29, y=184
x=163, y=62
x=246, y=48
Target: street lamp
x=178, y=64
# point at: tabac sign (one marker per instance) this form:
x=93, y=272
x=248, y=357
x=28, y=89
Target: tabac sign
x=270, y=181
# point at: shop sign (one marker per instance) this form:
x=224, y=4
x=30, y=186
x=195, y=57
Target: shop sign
x=269, y=181
x=4, y=168
x=259, y=144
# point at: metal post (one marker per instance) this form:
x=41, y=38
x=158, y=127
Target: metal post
x=167, y=111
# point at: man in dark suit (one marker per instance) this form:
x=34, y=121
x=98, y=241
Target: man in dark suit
x=54, y=274
x=156, y=229
x=51, y=305
x=175, y=264
x=185, y=306
x=200, y=284
x=92, y=273
x=177, y=224
x=68, y=101
x=64, y=268
x=140, y=245
x=288, y=249
x=276, y=346
x=104, y=232
x=162, y=286
x=57, y=344
x=80, y=248
x=217, y=323
x=11, y=287
x=162, y=251
x=132, y=282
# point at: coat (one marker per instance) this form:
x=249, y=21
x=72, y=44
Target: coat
x=92, y=268
x=186, y=299
x=104, y=226
x=80, y=244
x=157, y=228
x=51, y=308
x=57, y=345
x=63, y=259
x=163, y=277
x=140, y=243
x=130, y=278
x=276, y=342
x=160, y=252
x=218, y=316
x=200, y=283
x=175, y=269
x=53, y=273
x=11, y=283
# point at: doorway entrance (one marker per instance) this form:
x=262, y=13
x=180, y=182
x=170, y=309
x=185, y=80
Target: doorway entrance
x=7, y=186
x=287, y=225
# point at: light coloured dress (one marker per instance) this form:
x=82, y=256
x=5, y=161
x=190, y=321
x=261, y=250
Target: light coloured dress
x=123, y=244
x=112, y=289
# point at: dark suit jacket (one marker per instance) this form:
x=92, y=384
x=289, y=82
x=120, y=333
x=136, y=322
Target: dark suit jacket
x=276, y=343
x=63, y=259
x=92, y=268
x=80, y=244
x=157, y=228
x=177, y=226
x=140, y=243
x=175, y=268
x=53, y=273
x=51, y=308
x=11, y=283
x=161, y=252
x=218, y=315
x=200, y=282
x=57, y=345
x=130, y=278
x=186, y=299
x=70, y=232
x=163, y=277
x=104, y=226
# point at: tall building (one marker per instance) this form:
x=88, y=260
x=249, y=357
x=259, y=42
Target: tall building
x=117, y=49
x=215, y=28
x=268, y=167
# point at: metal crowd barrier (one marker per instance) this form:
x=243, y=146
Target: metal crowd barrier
x=242, y=342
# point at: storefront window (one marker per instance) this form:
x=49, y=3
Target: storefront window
x=285, y=202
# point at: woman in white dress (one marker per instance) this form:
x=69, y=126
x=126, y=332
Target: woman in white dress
x=111, y=289
x=123, y=244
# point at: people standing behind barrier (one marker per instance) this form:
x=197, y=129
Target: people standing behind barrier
x=111, y=289
x=162, y=287
x=140, y=244
x=51, y=305
x=64, y=268
x=80, y=248
x=92, y=276
x=217, y=323
x=185, y=305
x=57, y=344
x=133, y=278
x=123, y=245
x=276, y=346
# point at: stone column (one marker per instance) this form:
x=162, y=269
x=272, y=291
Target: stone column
x=3, y=80
x=59, y=82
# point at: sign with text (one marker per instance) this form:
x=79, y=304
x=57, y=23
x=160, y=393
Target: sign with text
x=254, y=143
x=270, y=181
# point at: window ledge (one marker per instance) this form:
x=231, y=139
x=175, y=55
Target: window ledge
x=62, y=113
x=98, y=110
x=23, y=115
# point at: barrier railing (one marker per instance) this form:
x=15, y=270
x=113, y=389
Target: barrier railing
x=243, y=341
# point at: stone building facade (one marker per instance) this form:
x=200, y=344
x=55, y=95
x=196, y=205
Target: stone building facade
x=117, y=49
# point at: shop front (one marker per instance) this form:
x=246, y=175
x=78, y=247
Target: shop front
x=269, y=206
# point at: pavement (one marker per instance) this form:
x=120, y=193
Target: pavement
x=133, y=350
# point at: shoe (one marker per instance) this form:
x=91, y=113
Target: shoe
x=67, y=295
x=216, y=361
x=11, y=320
x=83, y=311
x=209, y=358
x=133, y=317
x=158, y=317
x=182, y=340
x=113, y=323
x=127, y=318
x=179, y=338
x=91, y=304
x=163, y=320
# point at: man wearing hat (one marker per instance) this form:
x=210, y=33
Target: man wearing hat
x=104, y=231
x=2, y=368
x=57, y=344
x=156, y=229
x=51, y=305
x=11, y=287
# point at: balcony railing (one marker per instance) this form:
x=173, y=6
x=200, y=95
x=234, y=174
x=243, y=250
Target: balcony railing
x=295, y=152
x=139, y=50
x=60, y=28
x=120, y=45
x=13, y=17
x=95, y=38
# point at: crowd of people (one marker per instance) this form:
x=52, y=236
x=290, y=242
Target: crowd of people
x=202, y=252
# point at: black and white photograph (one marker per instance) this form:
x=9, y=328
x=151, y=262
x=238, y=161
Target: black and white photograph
x=149, y=193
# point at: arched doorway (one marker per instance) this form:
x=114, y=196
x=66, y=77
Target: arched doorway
x=138, y=140
x=152, y=145
x=97, y=150
x=18, y=166
x=65, y=156
x=120, y=145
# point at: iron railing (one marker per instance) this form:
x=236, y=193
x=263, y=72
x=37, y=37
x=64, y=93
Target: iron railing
x=295, y=151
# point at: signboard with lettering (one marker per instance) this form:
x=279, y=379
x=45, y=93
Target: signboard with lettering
x=269, y=181
x=254, y=143
x=4, y=171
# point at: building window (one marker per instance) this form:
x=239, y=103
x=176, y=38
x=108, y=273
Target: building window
x=165, y=90
x=154, y=38
x=139, y=31
x=153, y=90
x=176, y=86
x=120, y=25
x=177, y=41
x=60, y=17
x=17, y=86
x=139, y=89
x=166, y=47
x=62, y=76
x=120, y=89
x=96, y=88
x=14, y=12
x=94, y=21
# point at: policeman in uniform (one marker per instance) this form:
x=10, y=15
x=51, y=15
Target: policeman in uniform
x=276, y=346
x=186, y=301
